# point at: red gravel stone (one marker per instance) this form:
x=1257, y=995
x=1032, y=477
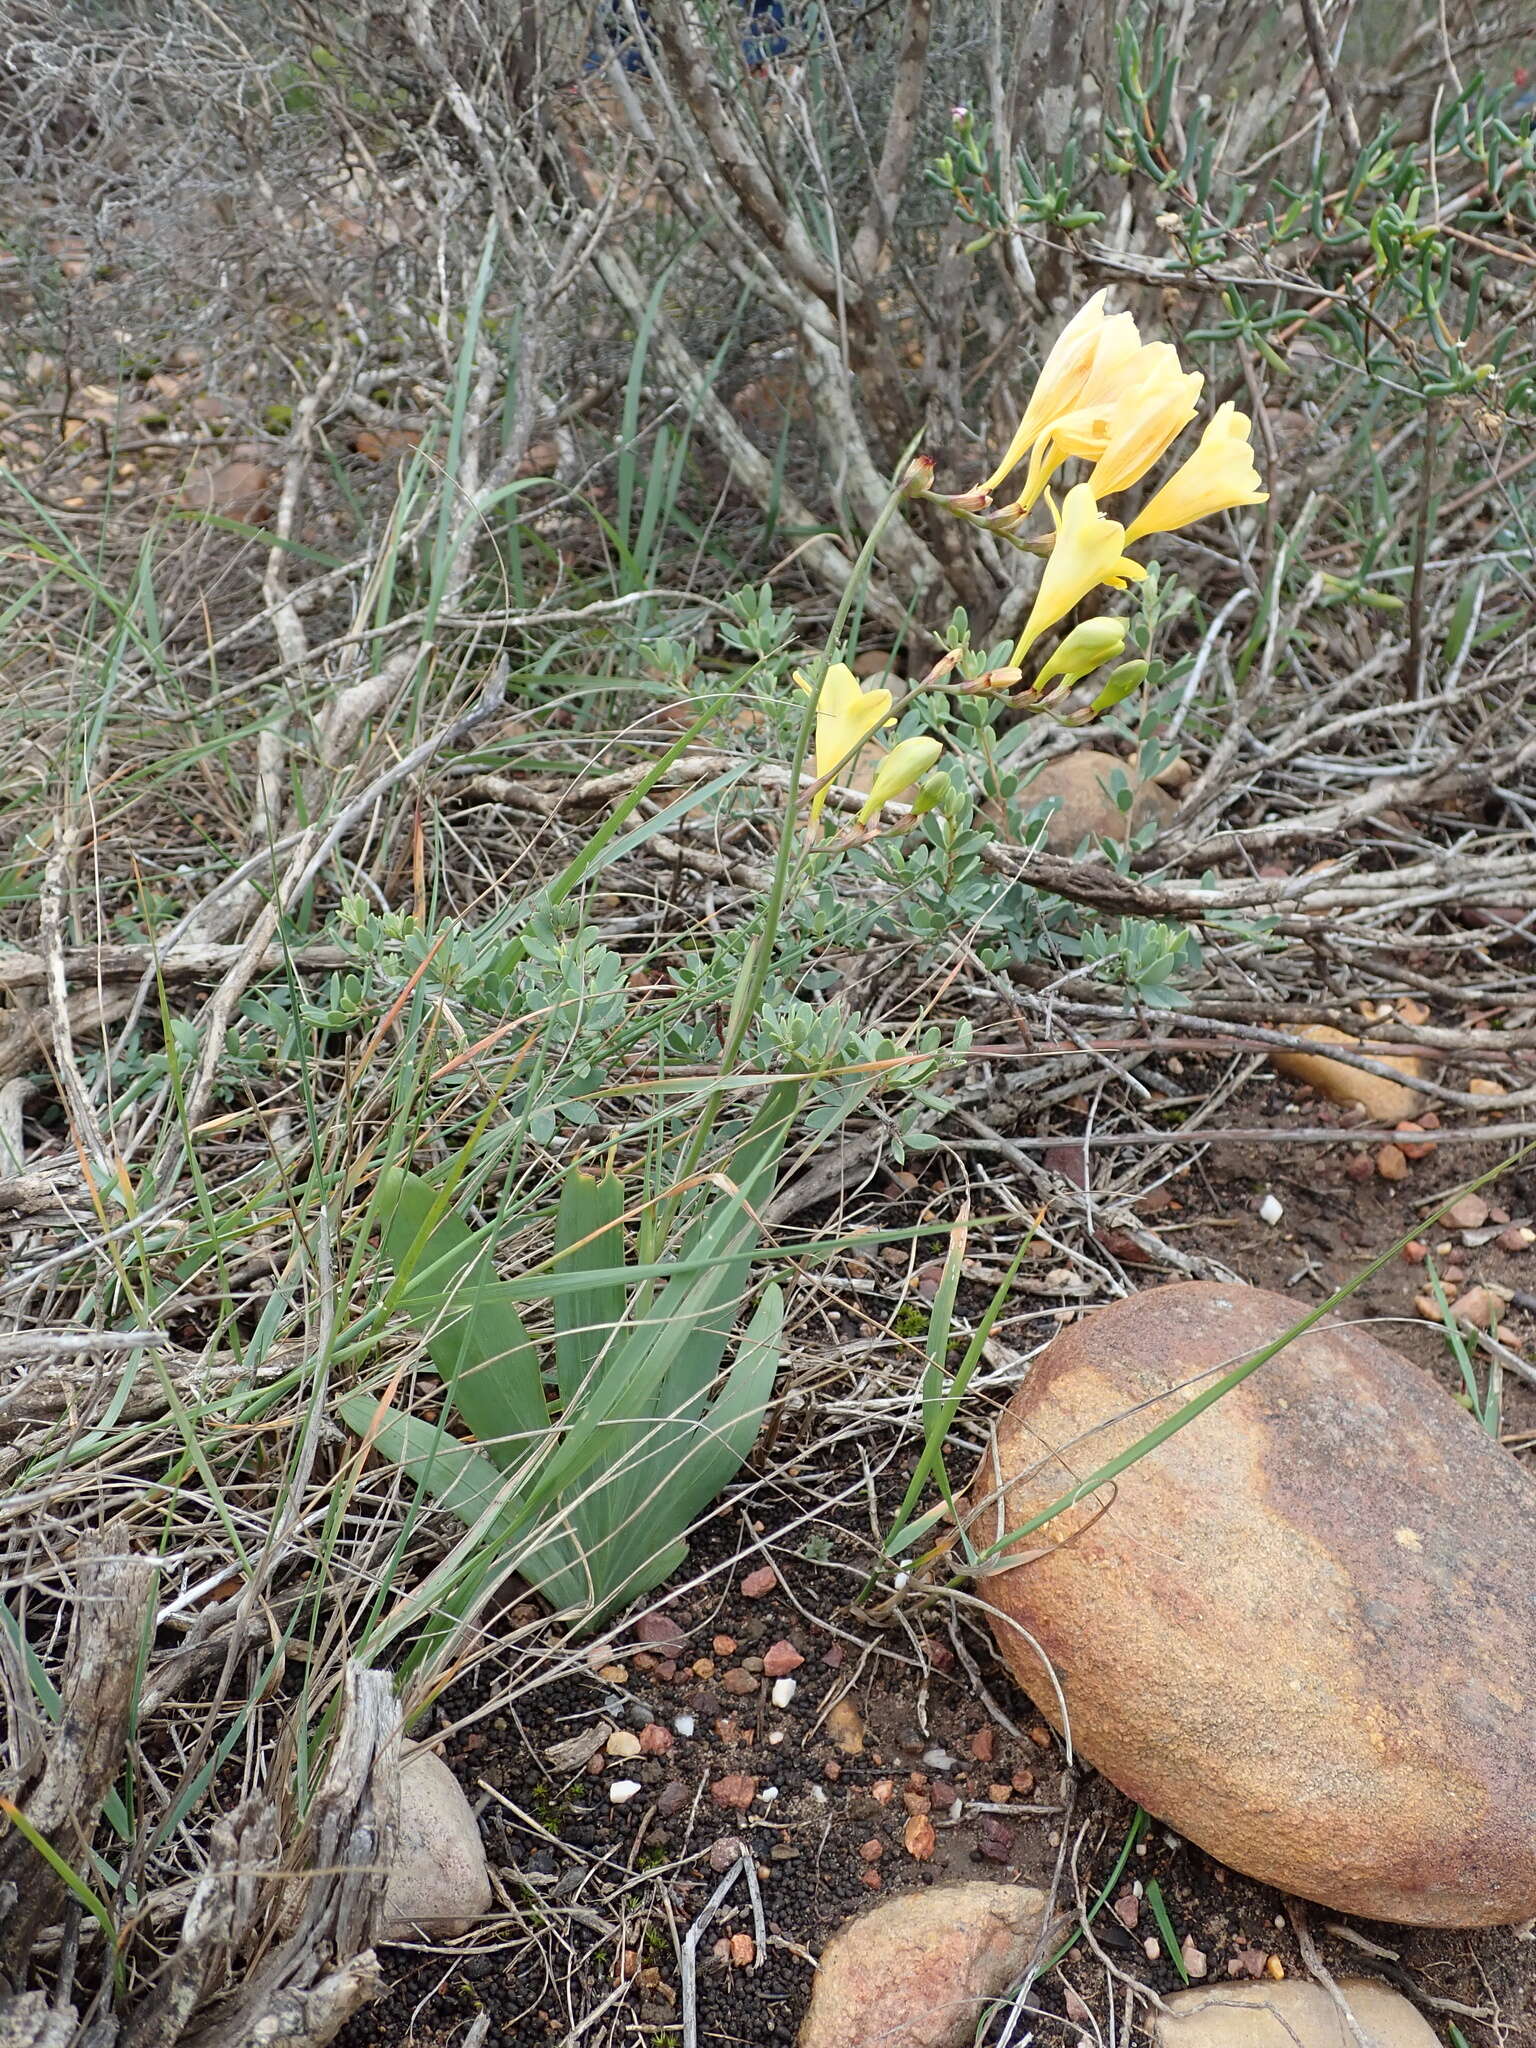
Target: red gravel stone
x=780, y=1658
x=735, y=1792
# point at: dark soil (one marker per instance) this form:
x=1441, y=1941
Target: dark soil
x=923, y=1780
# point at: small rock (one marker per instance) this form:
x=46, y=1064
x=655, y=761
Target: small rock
x=1427, y=1309
x=438, y=1885
x=725, y=1854
x=724, y=1646
x=915, y=1971
x=685, y=1725
x=1079, y=784
x=1390, y=1163
x=238, y=490
x=1481, y=1085
x=672, y=1798
x=622, y=1790
x=780, y=1658
x=1415, y=1251
x=1271, y=1209
x=1411, y=1143
x=757, y=1585
x=1197, y=1963
x=622, y=1743
x=1478, y=1306
x=661, y=1635
x=736, y=1791
x=739, y=1683
x=994, y=1842
x=1360, y=1166
x=743, y=1951
x=1127, y=1910
x=1470, y=1213
x=984, y=1744
x=1070, y=1161
x=1294, y=2014
x=872, y=1850
x=1384, y=1101
x=784, y=1690
x=1518, y=1239
x=655, y=1740
x=845, y=1728
x=1152, y=1948
x=918, y=1838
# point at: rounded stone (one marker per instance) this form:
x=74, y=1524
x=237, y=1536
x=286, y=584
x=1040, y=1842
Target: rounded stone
x=1383, y=1100
x=1080, y=783
x=1294, y=2014
x=438, y=1885
x=1302, y=1629
x=916, y=1971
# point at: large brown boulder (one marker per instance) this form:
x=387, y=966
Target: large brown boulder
x=1303, y=1629
x=916, y=1971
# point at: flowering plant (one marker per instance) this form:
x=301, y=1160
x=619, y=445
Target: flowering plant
x=1106, y=397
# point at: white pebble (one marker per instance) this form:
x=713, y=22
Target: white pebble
x=1271, y=1210
x=685, y=1724
x=938, y=1760
x=621, y=1791
x=768, y=1794
x=1152, y=1947
x=775, y=1737
x=784, y=1690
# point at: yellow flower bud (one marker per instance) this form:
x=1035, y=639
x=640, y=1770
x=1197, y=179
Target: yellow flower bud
x=846, y=715
x=1086, y=553
x=1218, y=476
x=1087, y=646
x=906, y=763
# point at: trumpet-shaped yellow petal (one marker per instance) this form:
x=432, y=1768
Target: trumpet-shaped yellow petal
x=846, y=715
x=1092, y=349
x=1087, y=552
x=1218, y=476
x=1086, y=647
x=1124, y=429
x=1146, y=423
x=906, y=763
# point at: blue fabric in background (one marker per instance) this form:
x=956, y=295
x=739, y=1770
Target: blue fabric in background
x=762, y=38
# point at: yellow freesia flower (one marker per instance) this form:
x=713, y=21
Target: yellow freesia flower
x=1146, y=423
x=906, y=763
x=1217, y=477
x=846, y=715
x=1087, y=552
x=1125, y=430
x=1089, y=354
x=1086, y=647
